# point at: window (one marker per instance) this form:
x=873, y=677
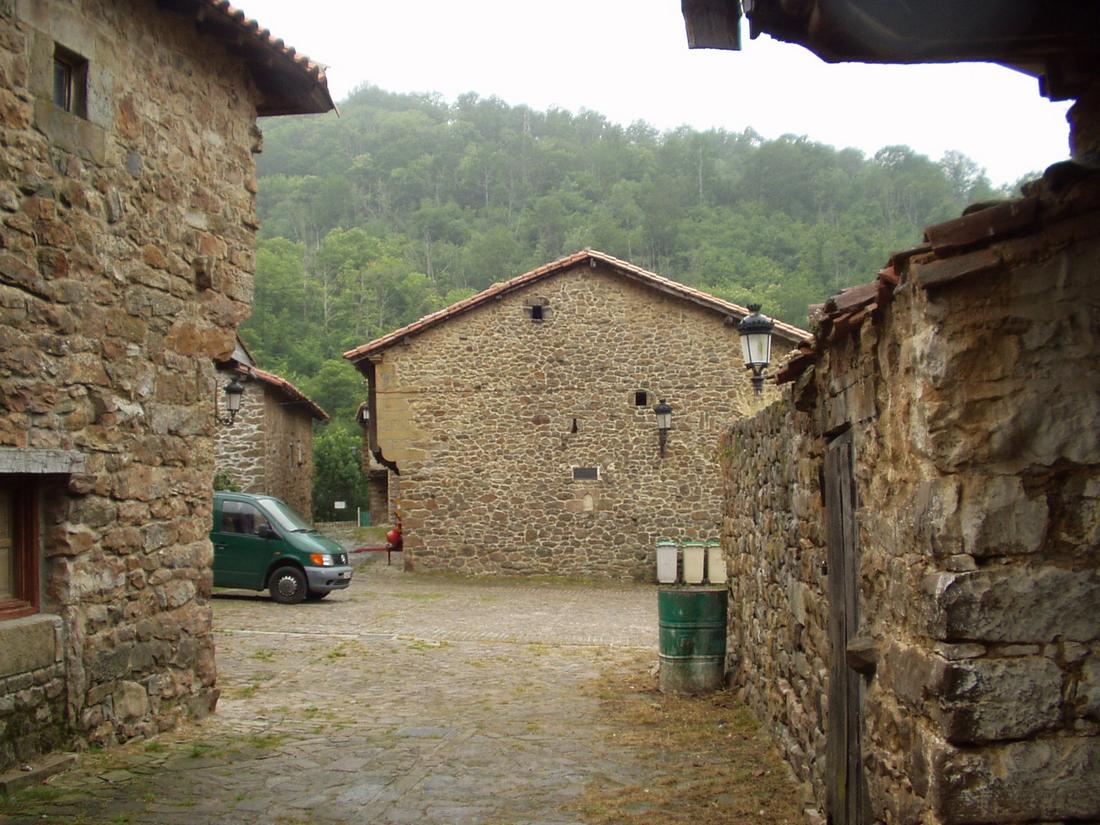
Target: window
x=586, y=473
x=536, y=309
x=70, y=81
x=18, y=547
x=641, y=398
x=241, y=517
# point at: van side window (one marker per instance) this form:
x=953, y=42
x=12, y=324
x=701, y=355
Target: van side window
x=241, y=517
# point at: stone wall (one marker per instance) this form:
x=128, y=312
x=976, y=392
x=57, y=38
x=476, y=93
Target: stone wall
x=269, y=446
x=773, y=534
x=288, y=454
x=972, y=405
x=126, y=259
x=239, y=448
x=487, y=415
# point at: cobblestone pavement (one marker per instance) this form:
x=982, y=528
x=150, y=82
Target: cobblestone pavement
x=411, y=699
x=403, y=699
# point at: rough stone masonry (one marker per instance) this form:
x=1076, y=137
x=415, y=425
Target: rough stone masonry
x=127, y=228
x=965, y=379
x=528, y=445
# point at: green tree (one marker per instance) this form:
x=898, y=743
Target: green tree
x=407, y=203
x=337, y=474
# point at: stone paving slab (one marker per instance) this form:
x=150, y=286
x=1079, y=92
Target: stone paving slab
x=418, y=699
x=403, y=699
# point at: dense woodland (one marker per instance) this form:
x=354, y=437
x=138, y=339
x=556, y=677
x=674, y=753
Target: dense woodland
x=406, y=203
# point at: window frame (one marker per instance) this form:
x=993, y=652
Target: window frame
x=75, y=82
x=25, y=547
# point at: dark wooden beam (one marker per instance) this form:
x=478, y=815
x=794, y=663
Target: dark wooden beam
x=712, y=24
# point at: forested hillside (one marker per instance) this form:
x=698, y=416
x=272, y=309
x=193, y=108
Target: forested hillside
x=406, y=203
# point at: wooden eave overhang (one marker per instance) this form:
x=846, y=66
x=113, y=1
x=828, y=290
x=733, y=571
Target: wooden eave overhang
x=289, y=83
x=1057, y=41
x=586, y=257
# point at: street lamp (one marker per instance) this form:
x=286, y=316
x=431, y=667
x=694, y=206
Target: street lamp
x=756, y=344
x=664, y=422
x=233, y=392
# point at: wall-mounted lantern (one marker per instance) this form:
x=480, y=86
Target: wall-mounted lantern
x=756, y=344
x=664, y=422
x=362, y=415
x=233, y=392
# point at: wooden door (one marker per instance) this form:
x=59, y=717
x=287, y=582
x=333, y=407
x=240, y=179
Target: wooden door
x=846, y=787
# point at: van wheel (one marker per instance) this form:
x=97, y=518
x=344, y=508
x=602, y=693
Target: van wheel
x=287, y=585
x=315, y=596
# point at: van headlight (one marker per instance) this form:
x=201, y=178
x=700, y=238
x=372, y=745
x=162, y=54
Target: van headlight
x=321, y=559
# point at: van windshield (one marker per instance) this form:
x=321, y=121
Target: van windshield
x=285, y=517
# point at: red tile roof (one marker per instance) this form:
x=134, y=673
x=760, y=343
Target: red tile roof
x=289, y=82
x=585, y=256
x=285, y=387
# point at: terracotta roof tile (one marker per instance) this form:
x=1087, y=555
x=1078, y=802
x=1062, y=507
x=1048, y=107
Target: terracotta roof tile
x=982, y=223
x=284, y=386
x=270, y=57
x=592, y=256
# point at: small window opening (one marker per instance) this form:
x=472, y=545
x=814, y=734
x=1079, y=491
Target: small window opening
x=70, y=81
x=536, y=312
x=573, y=429
x=586, y=473
x=641, y=398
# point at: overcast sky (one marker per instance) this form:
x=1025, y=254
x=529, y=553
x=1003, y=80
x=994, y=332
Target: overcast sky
x=628, y=60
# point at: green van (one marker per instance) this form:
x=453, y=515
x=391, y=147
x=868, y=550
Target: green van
x=260, y=542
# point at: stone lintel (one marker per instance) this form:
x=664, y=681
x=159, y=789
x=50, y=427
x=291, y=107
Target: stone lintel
x=41, y=462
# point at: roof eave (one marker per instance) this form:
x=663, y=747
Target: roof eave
x=1055, y=42
x=289, y=83
x=592, y=257
x=285, y=388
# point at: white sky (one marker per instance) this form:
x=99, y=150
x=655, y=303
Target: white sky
x=628, y=60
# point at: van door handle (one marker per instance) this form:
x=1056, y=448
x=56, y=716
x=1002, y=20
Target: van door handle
x=219, y=546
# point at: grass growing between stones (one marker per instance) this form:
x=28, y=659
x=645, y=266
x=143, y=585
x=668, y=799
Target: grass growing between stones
x=424, y=644
x=708, y=760
x=419, y=597
x=17, y=802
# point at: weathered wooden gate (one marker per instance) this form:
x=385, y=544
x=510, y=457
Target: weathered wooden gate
x=846, y=786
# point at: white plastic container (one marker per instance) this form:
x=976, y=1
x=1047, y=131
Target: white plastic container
x=667, y=561
x=716, y=563
x=694, y=556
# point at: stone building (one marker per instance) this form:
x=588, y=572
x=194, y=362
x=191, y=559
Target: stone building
x=519, y=429
x=127, y=229
x=268, y=448
x=913, y=527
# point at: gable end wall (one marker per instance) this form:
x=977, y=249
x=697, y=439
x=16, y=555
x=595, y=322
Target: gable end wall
x=478, y=415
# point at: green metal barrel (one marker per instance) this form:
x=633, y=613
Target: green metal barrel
x=692, y=623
